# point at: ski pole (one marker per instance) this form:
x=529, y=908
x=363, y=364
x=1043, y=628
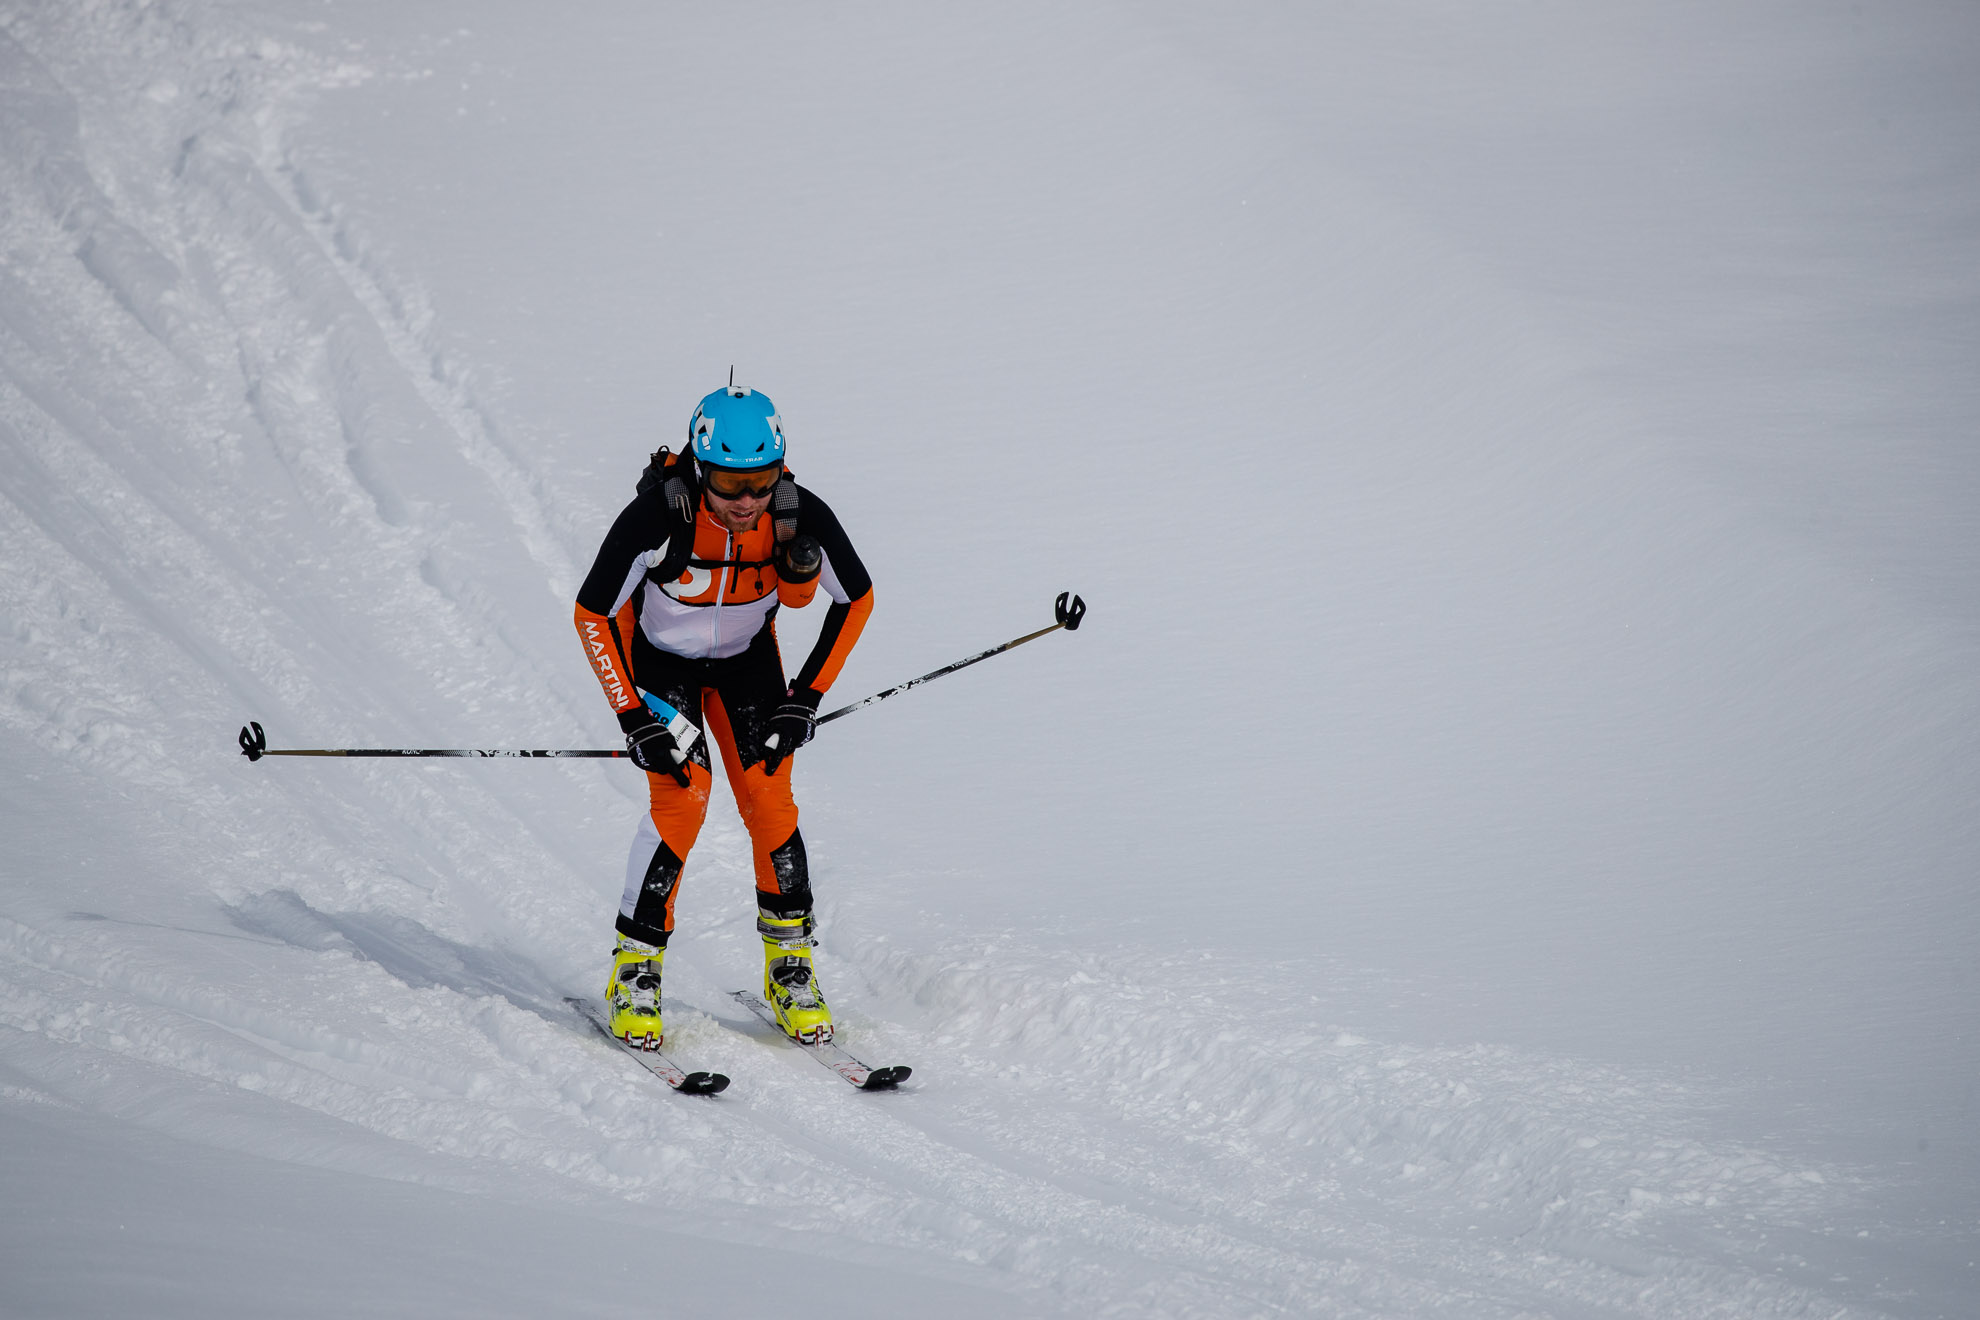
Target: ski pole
x=254, y=743
x=254, y=746
x=1068, y=610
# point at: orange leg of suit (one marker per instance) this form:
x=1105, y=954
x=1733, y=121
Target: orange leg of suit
x=768, y=811
x=673, y=822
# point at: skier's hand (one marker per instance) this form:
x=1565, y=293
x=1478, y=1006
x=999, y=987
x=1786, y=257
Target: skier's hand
x=791, y=727
x=651, y=747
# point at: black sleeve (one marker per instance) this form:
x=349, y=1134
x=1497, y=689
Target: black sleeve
x=815, y=518
x=844, y=619
x=643, y=525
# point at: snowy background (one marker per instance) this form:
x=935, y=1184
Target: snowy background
x=1503, y=843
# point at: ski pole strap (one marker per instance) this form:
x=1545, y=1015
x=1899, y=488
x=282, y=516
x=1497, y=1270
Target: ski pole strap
x=1068, y=609
x=254, y=746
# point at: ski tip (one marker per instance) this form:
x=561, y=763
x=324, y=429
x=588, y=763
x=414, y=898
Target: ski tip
x=886, y=1079
x=704, y=1083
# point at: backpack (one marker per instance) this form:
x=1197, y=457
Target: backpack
x=798, y=559
x=681, y=487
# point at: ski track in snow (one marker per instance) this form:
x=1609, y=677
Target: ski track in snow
x=237, y=467
x=1253, y=1169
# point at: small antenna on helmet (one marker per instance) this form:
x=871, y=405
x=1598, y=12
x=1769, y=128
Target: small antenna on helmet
x=732, y=375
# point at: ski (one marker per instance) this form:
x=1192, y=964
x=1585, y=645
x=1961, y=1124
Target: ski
x=687, y=1083
x=833, y=1057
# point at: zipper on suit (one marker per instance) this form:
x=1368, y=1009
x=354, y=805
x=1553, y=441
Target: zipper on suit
x=722, y=586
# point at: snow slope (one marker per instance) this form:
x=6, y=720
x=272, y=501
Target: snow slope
x=1501, y=845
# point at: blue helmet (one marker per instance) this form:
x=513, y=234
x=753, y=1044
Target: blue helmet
x=736, y=428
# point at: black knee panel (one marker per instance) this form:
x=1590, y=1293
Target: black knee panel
x=793, y=880
x=649, y=919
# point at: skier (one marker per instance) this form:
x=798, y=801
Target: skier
x=681, y=604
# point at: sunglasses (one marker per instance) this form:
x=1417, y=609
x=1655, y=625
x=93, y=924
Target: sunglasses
x=742, y=490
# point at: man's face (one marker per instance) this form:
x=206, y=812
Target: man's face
x=737, y=499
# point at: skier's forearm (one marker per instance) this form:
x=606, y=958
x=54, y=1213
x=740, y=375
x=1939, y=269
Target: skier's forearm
x=604, y=647
x=835, y=642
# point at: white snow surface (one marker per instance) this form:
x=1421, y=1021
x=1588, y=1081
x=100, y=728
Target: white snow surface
x=1503, y=843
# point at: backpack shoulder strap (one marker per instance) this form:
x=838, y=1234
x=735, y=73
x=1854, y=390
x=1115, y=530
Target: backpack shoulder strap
x=784, y=508
x=670, y=473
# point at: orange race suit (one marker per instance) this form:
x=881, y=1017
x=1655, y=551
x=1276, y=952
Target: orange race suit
x=687, y=611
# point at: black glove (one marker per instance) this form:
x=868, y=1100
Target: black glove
x=651, y=747
x=791, y=727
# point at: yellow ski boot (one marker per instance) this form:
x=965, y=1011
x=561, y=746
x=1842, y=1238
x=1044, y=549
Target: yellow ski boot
x=790, y=983
x=634, y=994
